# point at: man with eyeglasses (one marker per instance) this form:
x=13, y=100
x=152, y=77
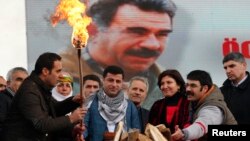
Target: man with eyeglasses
x=207, y=107
x=15, y=78
x=131, y=34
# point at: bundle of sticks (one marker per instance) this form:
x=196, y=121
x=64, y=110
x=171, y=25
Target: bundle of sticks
x=151, y=133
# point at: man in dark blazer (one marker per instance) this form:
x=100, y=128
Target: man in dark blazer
x=34, y=114
x=137, y=92
x=15, y=78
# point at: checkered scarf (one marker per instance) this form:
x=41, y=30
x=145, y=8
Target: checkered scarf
x=112, y=109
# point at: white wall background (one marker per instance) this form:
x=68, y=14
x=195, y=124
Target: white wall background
x=13, y=48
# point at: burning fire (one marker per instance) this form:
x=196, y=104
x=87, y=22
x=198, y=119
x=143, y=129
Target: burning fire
x=74, y=12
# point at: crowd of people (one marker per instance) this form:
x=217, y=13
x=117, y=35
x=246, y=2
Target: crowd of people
x=42, y=105
x=121, y=82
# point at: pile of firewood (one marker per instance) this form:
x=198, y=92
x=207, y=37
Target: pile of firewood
x=152, y=133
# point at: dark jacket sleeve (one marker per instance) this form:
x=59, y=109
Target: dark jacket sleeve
x=38, y=112
x=154, y=117
x=133, y=112
x=64, y=107
x=3, y=108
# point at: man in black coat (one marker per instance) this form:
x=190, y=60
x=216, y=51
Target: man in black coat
x=34, y=114
x=137, y=92
x=236, y=88
x=15, y=78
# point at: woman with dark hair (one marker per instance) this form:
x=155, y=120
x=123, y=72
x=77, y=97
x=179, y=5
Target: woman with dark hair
x=173, y=108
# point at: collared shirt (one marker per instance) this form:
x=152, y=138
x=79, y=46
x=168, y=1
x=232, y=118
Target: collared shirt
x=236, y=85
x=10, y=91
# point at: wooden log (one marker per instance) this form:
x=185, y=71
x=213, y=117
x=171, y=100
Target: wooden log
x=124, y=136
x=153, y=132
x=165, y=131
x=133, y=135
x=108, y=136
x=118, y=131
x=144, y=138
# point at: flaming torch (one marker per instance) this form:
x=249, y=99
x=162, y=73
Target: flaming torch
x=74, y=12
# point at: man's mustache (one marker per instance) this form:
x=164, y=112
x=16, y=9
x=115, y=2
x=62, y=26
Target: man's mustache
x=189, y=93
x=143, y=52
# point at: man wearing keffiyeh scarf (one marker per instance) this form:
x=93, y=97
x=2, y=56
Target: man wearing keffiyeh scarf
x=112, y=109
x=108, y=106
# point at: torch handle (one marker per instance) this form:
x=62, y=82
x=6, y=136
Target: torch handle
x=82, y=96
x=80, y=74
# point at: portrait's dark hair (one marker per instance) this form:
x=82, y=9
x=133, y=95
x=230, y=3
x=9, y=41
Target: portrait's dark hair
x=175, y=74
x=234, y=56
x=92, y=77
x=103, y=11
x=202, y=76
x=46, y=60
x=113, y=70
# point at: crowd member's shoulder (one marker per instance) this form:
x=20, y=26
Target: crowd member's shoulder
x=5, y=94
x=157, y=104
x=2, y=95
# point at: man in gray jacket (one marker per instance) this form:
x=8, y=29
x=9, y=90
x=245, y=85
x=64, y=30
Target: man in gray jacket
x=207, y=107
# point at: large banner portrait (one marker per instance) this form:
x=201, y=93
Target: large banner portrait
x=145, y=37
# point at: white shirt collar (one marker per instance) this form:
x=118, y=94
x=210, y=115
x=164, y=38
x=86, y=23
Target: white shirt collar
x=241, y=81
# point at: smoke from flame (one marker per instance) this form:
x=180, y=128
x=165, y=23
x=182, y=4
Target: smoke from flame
x=74, y=12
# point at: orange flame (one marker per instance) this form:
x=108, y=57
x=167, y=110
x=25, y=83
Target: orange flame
x=74, y=12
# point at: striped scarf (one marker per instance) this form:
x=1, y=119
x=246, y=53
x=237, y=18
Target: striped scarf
x=112, y=109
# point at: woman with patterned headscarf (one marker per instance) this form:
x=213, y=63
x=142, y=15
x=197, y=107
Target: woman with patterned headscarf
x=64, y=87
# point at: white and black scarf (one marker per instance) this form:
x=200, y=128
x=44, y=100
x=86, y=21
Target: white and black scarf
x=112, y=109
